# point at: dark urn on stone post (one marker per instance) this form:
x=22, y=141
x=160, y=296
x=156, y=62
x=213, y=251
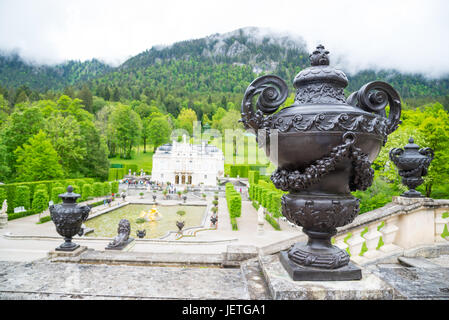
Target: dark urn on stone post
x=68, y=218
x=214, y=220
x=323, y=146
x=412, y=163
x=141, y=233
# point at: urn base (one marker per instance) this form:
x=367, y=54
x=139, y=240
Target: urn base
x=303, y=273
x=68, y=246
x=412, y=193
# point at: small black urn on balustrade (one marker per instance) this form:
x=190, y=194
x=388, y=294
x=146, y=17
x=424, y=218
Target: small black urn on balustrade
x=323, y=145
x=412, y=163
x=68, y=218
x=214, y=220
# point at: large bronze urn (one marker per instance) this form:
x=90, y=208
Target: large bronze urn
x=68, y=218
x=323, y=146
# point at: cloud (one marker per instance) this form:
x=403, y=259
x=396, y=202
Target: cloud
x=408, y=36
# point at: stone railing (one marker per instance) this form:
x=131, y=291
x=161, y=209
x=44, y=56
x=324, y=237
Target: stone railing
x=402, y=224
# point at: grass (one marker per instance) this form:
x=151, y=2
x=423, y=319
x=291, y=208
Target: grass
x=142, y=160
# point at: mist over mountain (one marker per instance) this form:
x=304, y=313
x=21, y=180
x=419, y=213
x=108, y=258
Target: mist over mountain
x=219, y=63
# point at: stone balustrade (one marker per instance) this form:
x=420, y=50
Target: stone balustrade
x=402, y=224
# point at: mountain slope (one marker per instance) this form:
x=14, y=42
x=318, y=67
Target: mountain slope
x=218, y=63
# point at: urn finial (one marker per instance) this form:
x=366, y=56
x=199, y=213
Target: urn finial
x=319, y=56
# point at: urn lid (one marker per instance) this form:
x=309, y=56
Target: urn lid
x=411, y=145
x=320, y=71
x=69, y=196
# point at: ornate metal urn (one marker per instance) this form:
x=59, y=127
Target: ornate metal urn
x=68, y=218
x=323, y=145
x=412, y=163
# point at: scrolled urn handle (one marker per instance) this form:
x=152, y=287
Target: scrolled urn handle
x=374, y=97
x=395, y=153
x=428, y=152
x=272, y=91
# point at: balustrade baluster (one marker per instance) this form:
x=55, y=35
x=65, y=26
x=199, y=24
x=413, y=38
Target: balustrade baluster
x=355, y=243
x=372, y=240
x=440, y=225
x=389, y=232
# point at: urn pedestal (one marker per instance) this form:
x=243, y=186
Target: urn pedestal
x=323, y=146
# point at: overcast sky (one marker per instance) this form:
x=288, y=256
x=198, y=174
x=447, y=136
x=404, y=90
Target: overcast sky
x=409, y=35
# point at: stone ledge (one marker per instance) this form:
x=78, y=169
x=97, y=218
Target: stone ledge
x=282, y=287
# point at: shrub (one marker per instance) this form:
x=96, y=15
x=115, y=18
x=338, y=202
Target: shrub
x=44, y=219
x=140, y=220
x=55, y=192
x=23, y=197
x=107, y=188
x=273, y=222
x=180, y=213
x=234, y=201
x=256, y=205
x=40, y=201
x=97, y=189
x=18, y=215
x=234, y=224
x=86, y=192
x=114, y=187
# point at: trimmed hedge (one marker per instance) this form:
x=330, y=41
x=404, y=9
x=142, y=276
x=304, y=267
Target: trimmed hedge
x=234, y=224
x=116, y=174
x=242, y=170
x=97, y=189
x=234, y=201
x=106, y=188
x=44, y=219
x=55, y=192
x=86, y=192
x=18, y=215
x=9, y=191
x=40, y=201
x=273, y=222
x=23, y=197
x=114, y=187
x=267, y=196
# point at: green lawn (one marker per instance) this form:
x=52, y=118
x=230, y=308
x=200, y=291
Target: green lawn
x=143, y=160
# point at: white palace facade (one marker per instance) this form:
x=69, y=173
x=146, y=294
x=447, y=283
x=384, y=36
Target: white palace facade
x=187, y=164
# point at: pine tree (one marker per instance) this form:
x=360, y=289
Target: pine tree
x=107, y=93
x=87, y=98
x=116, y=95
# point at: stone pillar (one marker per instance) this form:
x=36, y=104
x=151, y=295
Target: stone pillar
x=3, y=220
